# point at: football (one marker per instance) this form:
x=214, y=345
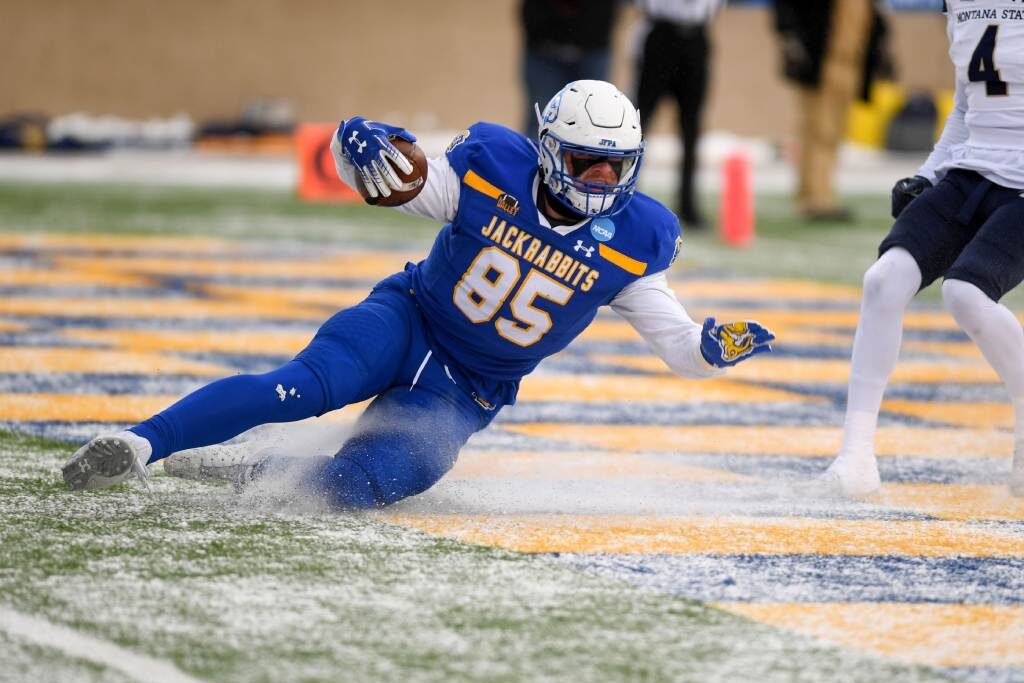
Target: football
x=412, y=183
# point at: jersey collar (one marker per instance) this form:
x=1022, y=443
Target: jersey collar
x=560, y=229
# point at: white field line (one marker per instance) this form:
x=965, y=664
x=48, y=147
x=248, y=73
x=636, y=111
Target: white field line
x=77, y=645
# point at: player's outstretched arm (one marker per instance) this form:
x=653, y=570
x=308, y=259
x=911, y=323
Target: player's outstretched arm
x=727, y=344
x=689, y=350
x=366, y=145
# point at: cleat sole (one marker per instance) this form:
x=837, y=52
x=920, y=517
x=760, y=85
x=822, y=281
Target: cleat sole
x=101, y=463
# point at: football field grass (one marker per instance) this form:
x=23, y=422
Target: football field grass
x=617, y=524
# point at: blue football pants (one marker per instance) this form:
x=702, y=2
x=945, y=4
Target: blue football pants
x=405, y=441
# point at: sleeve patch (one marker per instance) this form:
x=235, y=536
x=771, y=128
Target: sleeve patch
x=676, y=250
x=457, y=140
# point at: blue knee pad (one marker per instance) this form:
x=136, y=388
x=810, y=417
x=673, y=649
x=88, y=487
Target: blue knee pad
x=402, y=445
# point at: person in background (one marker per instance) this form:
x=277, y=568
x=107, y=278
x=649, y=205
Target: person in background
x=830, y=49
x=564, y=41
x=674, y=62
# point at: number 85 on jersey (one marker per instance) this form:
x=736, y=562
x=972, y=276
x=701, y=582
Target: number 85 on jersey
x=489, y=281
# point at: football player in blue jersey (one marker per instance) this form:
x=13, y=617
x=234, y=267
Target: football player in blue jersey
x=960, y=219
x=538, y=236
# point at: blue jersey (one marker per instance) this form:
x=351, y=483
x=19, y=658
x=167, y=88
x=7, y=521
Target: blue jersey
x=499, y=290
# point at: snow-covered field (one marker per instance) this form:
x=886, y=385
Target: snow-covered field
x=616, y=524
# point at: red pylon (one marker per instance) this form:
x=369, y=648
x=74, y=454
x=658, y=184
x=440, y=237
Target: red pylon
x=736, y=218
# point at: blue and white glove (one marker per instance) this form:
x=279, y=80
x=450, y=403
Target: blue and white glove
x=367, y=146
x=728, y=344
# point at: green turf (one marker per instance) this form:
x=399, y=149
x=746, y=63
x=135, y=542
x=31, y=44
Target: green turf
x=783, y=242
x=231, y=588
x=264, y=214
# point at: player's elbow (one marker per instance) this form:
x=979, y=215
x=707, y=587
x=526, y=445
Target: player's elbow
x=693, y=369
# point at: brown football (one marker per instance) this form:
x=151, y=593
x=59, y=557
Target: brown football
x=412, y=182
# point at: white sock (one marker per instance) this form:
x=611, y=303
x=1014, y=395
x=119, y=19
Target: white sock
x=139, y=443
x=859, y=433
x=889, y=285
x=997, y=332
x=1018, y=426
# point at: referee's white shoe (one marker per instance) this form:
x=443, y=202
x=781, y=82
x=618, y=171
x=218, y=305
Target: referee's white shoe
x=108, y=460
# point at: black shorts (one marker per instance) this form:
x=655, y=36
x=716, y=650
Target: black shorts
x=965, y=228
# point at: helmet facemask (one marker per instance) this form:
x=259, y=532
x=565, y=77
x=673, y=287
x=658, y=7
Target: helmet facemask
x=586, y=124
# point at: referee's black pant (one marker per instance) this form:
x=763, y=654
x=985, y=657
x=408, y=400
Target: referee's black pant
x=675, y=62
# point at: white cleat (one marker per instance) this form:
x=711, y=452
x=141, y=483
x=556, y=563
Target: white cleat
x=108, y=460
x=234, y=463
x=1017, y=472
x=847, y=477
x=208, y=463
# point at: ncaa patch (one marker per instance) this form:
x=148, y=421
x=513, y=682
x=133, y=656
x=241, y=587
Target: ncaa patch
x=457, y=140
x=602, y=229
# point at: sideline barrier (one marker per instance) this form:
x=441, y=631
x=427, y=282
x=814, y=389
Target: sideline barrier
x=318, y=180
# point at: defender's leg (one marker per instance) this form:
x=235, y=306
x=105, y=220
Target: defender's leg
x=991, y=265
x=923, y=244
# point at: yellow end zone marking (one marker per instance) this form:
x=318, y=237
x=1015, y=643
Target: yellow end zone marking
x=782, y=318
x=796, y=327
x=964, y=349
x=115, y=408
x=762, y=439
x=919, y=633
x=82, y=407
x=322, y=297
x=718, y=535
x=369, y=265
x=576, y=465
x=964, y=502
x=61, y=277
x=770, y=290
x=598, y=388
x=989, y=415
x=788, y=370
x=178, y=243
x=238, y=341
x=45, y=359
x=149, y=308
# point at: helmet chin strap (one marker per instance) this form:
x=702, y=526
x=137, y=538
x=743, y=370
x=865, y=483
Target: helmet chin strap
x=554, y=210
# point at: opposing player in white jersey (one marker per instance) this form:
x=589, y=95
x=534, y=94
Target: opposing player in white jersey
x=960, y=218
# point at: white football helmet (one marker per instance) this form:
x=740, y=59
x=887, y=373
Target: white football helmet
x=584, y=122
